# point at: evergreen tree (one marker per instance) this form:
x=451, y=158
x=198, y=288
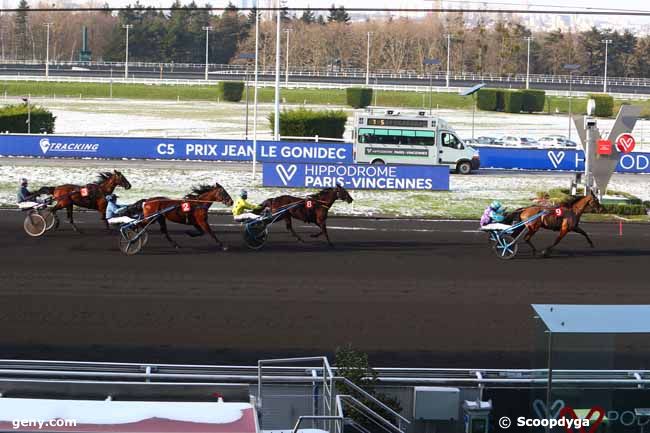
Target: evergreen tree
x=338, y=15
x=321, y=20
x=22, y=31
x=308, y=16
x=250, y=19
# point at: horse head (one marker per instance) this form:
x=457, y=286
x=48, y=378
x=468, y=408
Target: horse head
x=342, y=194
x=120, y=180
x=593, y=203
x=212, y=193
x=221, y=195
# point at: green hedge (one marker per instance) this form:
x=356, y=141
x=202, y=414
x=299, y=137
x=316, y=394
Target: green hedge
x=501, y=99
x=512, y=101
x=13, y=118
x=533, y=100
x=308, y=123
x=358, y=97
x=604, y=104
x=486, y=99
x=231, y=90
x=625, y=209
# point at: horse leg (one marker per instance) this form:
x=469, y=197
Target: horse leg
x=203, y=225
x=323, y=231
x=287, y=219
x=163, y=230
x=584, y=233
x=195, y=233
x=546, y=252
x=70, y=218
x=528, y=237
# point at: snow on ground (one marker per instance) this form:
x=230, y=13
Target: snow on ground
x=214, y=120
x=467, y=198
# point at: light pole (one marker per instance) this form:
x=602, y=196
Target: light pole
x=528, y=39
x=571, y=68
x=286, y=69
x=257, y=51
x=47, y=51
x=368, y=61
x=448, y=55
x=247, y=57
x=126, y=61
x=29, y=115
x=276, y=135
x=207, y=39
x=606, y=42
x=432, y=63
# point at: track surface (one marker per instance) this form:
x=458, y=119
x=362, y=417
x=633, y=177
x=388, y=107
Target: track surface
x=428, y=293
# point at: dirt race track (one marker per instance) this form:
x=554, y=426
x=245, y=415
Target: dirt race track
x=409, y=292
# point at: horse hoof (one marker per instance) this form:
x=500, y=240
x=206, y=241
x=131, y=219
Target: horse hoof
x=225, y=248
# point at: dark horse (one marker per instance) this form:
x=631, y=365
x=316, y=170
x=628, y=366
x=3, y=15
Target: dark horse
x=313, y=209
x=191, y=210
x=563, y=218
x=90, y=196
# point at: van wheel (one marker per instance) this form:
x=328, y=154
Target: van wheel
x=378, y=162
x=464, y=167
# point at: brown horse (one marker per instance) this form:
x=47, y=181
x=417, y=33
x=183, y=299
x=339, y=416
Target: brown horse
x=191, y=210
x=563, y=218
x=90, y=196
x=313, y=209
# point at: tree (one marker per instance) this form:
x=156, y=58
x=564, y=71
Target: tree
x=22, y=31
x=251, y=16
x=320, y=20
x=338, y=15
x=308, y=16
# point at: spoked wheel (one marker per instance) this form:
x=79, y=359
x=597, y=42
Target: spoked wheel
x=130, y=242
x=51, y=220
x=34, y=224
x=506, y=247
x=255, y=234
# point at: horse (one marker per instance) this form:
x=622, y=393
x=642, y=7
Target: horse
x=313, y=209
x=563, y=218
x=90, y=196
x=191, y=210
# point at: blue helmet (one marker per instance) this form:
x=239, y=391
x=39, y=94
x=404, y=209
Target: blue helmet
x=111, y=197
x=23, y=181
x=243, y=194
x=496, y=205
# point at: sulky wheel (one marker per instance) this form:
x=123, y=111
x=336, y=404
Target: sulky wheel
x=130, y=242
x=51, y=220
x=255, y=234
x=506, y=247
x=34, y=224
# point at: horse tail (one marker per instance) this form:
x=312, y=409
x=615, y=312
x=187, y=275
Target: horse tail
x=46, y=190
x=268, y=203
x=514, y=216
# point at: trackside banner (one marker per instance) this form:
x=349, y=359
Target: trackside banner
x=60, y=146
x=357, y=176
x=555, y=159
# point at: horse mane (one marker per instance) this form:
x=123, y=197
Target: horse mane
x=321, y=192
x=103, y=177
x=200, y=189
x=571, y=200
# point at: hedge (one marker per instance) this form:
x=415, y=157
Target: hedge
x=501, y=99
x=231, y=90
x=358, y=97
x=512, y=101
x=13, y=118
x=533, y=100
x=309, y=123
x=624, y=209
x=604, y=104
x=486, y=99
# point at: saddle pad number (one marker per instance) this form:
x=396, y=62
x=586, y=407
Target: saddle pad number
x=309, y=204
x=84, y=192
x=559, y=212
x=186, y=207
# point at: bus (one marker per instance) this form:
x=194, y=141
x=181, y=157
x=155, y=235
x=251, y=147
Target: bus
x=394, y=138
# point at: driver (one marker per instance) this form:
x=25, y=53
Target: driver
x=494, y=213
x=114, y=211
x=241, y=206
x=26, y=199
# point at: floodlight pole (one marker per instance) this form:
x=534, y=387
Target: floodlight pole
x=368, y=61
x=528, y=39
x=276, y=126
x=286, y=70
x=257, y=50
x=47, y=51
x=126, y=58
x=448, y=56
x=207, y=42
x=606, y=42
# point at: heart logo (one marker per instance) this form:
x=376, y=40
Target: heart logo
x=568, y=412
x=286, y=174
x=625, y=143
x=540, y=409
x=556, y=157
x=45, y=145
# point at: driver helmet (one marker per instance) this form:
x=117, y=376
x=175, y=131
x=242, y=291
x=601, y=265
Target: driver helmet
x=23, y=181
x=495, y=205
x=243, y=194
x=111, y=197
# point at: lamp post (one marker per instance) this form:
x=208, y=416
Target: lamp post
x=126, y=60
x=257, y=51
x=368, y=61
x=276, y=126
x=247, y=57
x=286, y=68
x=29, y=114
x=207, y=42
x=606, y=42
x=432, y=63
x=528, y=39
x=47, y=51
x=571, y=68
x=448, y=55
